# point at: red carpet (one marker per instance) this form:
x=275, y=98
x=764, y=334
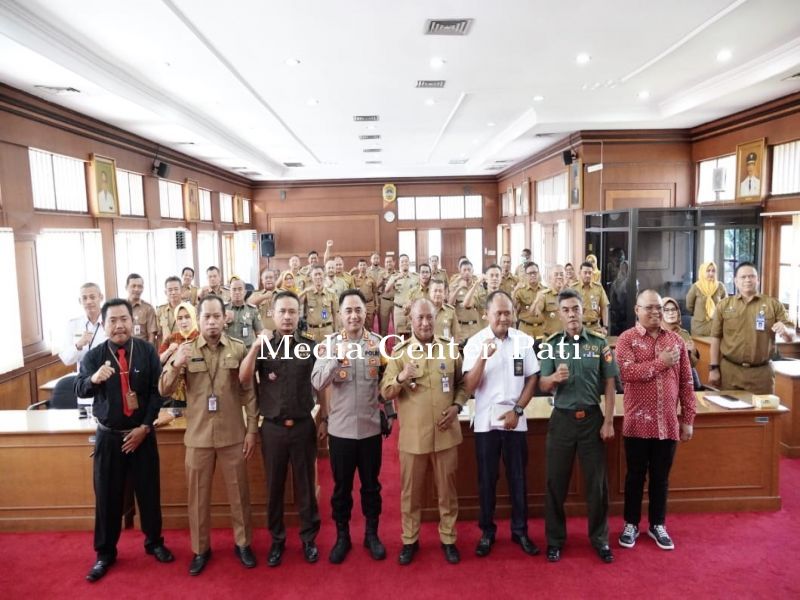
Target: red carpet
x=747, y=555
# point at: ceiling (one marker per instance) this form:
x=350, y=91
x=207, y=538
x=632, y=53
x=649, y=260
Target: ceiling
x=213, y=80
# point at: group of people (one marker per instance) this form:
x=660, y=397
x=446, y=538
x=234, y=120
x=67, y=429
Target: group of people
x=483, y=344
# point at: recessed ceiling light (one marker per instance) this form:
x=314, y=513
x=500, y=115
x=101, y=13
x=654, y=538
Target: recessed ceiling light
x=538, y=98
x=292, y=62
x=437, y=62
x=583, y=58
x=490, y=124
x=643, y=95
x=312, y=102
x=724, y=55
x=430, y=102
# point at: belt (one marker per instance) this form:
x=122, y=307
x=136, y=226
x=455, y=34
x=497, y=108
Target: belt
x=285, y=422
x=102, y=427
x=396, y=305
x=746, y=365
x=323, y=325
x=579, y=413
x=389, y=299
x=468, y=322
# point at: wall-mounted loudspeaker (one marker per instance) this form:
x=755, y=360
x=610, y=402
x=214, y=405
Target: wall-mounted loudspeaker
x=160, y=168
x=267, y=245
x=568, y=157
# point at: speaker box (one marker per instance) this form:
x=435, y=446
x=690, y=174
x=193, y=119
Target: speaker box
x=267, y=245
x=160, y=168
x=567, y=156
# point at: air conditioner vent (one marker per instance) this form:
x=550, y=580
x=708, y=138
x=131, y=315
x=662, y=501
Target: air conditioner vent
x=180, y=240
x=448, y=26
x=373, y=150
x=373, y=136
x=458, y=161
x=366, y=118
x=430, y=83
x=293, y=164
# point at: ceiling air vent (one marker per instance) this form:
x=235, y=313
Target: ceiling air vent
x=494, y=167
x=430, y=83
x=293, y=164
x=366, y=118
x=448, y=26
x=502, y=162
x=180, y=240
x=57, y=89
x=373, y=150
x=374, y=136
x=252, y=173
x=373, y=162
x=458, y=161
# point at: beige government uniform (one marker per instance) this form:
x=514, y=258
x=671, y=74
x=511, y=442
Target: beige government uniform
x=440, y=275
x=320, y=311
x=529, y=321
x=403, y=287
x=166, y=322
x=508, y=282
x=264, y=300
x=446, y=325
x=595, y=301
x=367, y=286
x=222, y=292
x=347, y=278
x=145, y=321
x=746, y=345
x=246, y=324
x=438, y=385
x=189, y=294
x=386, y=304
x=416, y=293
x=336, y=285
x=215, y=437
x=469, y=319
x=546, y=307
x=696, y=305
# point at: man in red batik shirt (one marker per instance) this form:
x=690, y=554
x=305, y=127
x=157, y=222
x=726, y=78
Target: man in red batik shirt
x=655, y=369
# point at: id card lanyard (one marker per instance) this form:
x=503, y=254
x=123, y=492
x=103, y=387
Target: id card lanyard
x=213, y=406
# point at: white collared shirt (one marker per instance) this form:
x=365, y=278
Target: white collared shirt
x=76, y=327
x=499, y=385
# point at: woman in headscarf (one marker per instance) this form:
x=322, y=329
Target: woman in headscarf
x=671, y=321
x=186, y=319
x=596, y=272
x=287, y=283
x=703, y=297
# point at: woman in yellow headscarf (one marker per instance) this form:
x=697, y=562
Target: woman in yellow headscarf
x=287, y=283
x=703, y=297
x=596, y=272
x=186, y=319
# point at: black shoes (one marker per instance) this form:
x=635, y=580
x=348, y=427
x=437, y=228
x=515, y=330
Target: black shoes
x=199, y=562
x=371, y=541
x=527, y=545
x=275, y=554
x=451, y=553
x=407, y=553
x=484, y=546
x=161, y=553
x=98, y=570
x=342, y=545
x=553, y=554
x=311, y=552
x=604, y=552
x=246, y=556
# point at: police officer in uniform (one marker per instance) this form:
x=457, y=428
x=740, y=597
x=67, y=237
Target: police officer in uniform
x=469, y=318
x=386, y=307
x=594, y=298
x=524, y=300
x=242, y=321
x=446, y=324
x=545, y=306
x=365, y=284
x=351, y=419
x=579, y=369
x=743, y=331
x=401, y=284
x=320, y=307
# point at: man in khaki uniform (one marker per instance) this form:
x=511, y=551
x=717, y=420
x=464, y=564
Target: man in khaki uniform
x=491, y=277
x=367, y=286
x=595, y=300
x=332, y=283
x=215, y=285
x=422, y=289
x=340, y=273
x=469, y=317
x=241, y=320
x=524, y=260
x=215, y=430
x=313, y=261
x=300, y=280
x=446, y=325
x=145, y=322
x=743, y=333
x=524, y=298
x=437, y=273
x=401, y=284
x=507, y=279
x=189, y=291
x=387, y=295
x=320, y=306
x=166, y=312
x=545, y=306
x=376, y=271
x=457, y=275
x=429, y=392
x=262, y=299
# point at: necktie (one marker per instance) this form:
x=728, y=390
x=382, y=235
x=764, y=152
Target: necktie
x=124, y=386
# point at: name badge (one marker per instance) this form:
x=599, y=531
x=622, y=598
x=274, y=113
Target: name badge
x=212, y=403
x=324, y=313
x=761, y=322
x=131, y=400
x=137, y=329
x=245, y=331
x=595, y=304
x=269, y=314
x=445, y=384
x=517, y=367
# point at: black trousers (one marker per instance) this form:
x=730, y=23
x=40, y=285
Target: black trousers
x=567, y=436
x=280, y=447
x=651, y=458
x=346, y=456
x=512, y=447
x=111, y=469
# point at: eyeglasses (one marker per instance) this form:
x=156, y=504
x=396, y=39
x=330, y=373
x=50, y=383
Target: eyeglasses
x=653, y=308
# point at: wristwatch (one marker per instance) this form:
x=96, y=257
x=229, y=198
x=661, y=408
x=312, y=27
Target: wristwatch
x=459, y=408
x=518, y=410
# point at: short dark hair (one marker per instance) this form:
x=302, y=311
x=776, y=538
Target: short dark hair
x=174, y=278
x=184, y=269
x=746, y=263
x=492, y=266
x=350, y=292
x=424, y=265
x=569, y=264
x=526, y=251
x=211, y=297
x=316, y=268
x=312, y=253
x=530, y=263
x=402, y=255
x=568, y=293
x=133, y=276
x=360, y=260
x=461, y=263
x=495, y=294
x=586, y=263
x=285, y=294
x=115, y=302
x=212, y=268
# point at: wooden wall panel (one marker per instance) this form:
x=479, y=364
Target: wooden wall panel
x=16, y=393
x=354, y=236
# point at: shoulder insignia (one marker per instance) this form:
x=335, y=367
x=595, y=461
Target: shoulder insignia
x=401, y=345
x=450, y=306
x=595, y=334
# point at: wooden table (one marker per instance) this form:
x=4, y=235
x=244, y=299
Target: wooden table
x=730, y=465
x=47, y=475
x=787, y=388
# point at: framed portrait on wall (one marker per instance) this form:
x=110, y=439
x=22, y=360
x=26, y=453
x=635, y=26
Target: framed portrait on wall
x=191, y=200
x=751, y=167
x=575, y=183
x=104, y=195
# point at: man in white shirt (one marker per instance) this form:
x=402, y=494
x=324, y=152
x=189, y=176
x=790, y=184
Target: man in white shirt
x=751, y=185
x=500, y=367
x=85, y=332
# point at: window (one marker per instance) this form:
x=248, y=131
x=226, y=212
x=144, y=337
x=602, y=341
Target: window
x=726, y=180
x=205, y=205
x=433, y=208
x=131, y=193
x=245, y=257
x=789, y=269
x=405, y=209
x=245, y=210
x=427, y=207
x=207, y=252
x=562, y=242
x=11, y=357
x=786, y=168
x=551, y=194
x=473, y=242
x=407, y=244
x=537, y=243
x=435, y=243
x=517, y=239
x=738, y=246
x=505, y=205
x=452, y=207
x=473, y=207
x=59, y=182
x=84, y=251
x=171, y=195
x=225, y=208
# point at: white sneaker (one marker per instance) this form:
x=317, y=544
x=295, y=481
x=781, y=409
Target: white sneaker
x=627, y=539
x=660, y=535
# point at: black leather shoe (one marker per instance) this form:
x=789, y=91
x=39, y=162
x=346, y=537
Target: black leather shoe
x=275, y=554
x=246, y=556
x=604, y=552
x=451, y=553
x=376, y=548
x=553, y=553
x=407, y=553
x=199, y=562
x=161, y=553
x=484, y=546
x=310, y=552
x=98, y=570
x=527, y=545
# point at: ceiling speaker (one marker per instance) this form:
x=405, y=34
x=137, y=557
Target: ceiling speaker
x=567, y=155
x=160, y=168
